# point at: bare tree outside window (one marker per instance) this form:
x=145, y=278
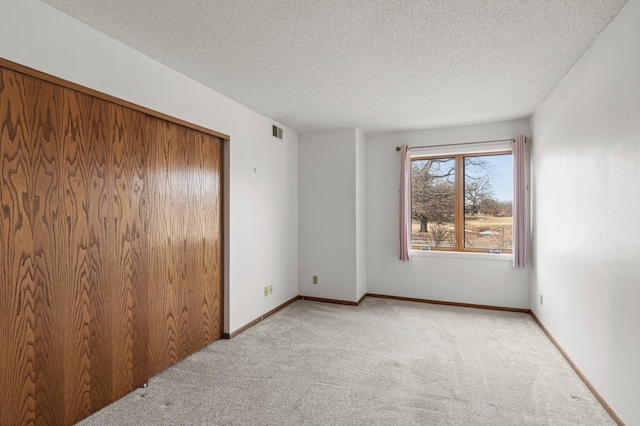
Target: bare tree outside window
x=485, y=216
x=432, y=201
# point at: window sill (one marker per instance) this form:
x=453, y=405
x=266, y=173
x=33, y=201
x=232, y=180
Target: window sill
x=462, y=255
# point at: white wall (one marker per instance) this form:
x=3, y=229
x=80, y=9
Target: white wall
x=261, y=213
x=361, y=214
x=458, y=277
x=586, y=175
x=328, y=221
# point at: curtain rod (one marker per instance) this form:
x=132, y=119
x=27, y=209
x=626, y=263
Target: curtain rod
x=457, y=144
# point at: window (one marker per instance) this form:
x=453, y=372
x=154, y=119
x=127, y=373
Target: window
x=462, y=202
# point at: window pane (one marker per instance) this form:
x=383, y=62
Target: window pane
x=432, y=202
x=488, y=199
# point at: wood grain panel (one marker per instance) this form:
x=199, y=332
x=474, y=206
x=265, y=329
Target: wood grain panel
x=211, y=237
x=76, y=173
x=164, y=307
x=110, y=231
x=31, y=290
x=17, y=385
x=7, y=236
x=203, y=237
x=103, y=182
x=98, y=114
x=130, y=265
x=184, y=169
x=50, y=264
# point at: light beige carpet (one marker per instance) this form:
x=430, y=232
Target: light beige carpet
x=385, y=362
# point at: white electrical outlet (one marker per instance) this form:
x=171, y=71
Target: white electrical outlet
x=271, y=289
x=541, y=301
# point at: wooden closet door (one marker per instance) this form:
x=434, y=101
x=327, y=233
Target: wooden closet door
x=101, y=252
x=111, y=249
x=31, y=292
x=126, y=237
x=185, y=242
x=73, y=270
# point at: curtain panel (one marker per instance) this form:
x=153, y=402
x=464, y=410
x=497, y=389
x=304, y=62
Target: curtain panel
x=520, y=238
x=405, y=203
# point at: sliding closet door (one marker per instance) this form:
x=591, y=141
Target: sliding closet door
x=129, y=219
x=111, y=249
x=73, y=271
x=106, y=198
x=31, y=292
x=185, y=241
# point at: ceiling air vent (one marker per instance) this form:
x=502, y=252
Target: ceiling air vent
x=276, y=132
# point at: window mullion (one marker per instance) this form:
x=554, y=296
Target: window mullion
x=459, y=203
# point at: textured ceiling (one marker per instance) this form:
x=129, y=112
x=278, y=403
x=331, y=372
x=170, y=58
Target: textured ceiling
x=379, y=65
